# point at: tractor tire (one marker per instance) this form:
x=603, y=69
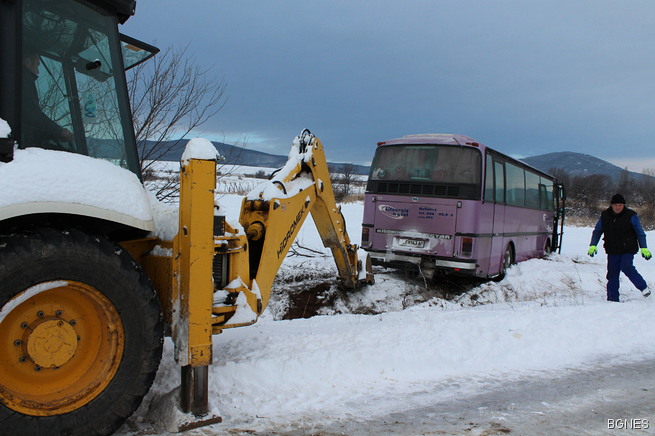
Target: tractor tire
x=80, y=334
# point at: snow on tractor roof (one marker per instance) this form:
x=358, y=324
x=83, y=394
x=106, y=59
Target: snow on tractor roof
x=46, y=181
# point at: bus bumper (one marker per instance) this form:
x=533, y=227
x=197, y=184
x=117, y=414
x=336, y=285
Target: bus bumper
x=455, y=265
x=390, y=258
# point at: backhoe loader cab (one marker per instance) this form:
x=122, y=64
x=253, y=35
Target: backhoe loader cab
x=63, y=86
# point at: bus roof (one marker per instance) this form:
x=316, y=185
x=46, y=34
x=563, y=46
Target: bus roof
x=453, y=139
x=433, y=138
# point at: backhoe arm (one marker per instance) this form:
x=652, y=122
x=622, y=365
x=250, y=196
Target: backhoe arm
x=273, y=213
x=221, y=274
x=234, y=274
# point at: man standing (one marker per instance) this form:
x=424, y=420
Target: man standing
x=623, y=238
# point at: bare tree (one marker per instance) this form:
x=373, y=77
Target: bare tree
x=588, y=195
x=625, y=183
x=561, y=175
x=170, y=96
x=646, y=190
x=343, y=181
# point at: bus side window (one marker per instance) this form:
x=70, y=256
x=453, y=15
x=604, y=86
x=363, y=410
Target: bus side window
x=499, y=176
x=515, y=185
x=489, y=180
x=532, y=190
x=543, y=196
x=546, y=194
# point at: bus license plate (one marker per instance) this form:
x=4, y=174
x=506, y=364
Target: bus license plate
x=416, y=243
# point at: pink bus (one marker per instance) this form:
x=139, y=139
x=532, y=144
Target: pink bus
x=443, y=202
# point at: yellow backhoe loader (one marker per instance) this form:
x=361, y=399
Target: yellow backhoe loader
x=89, y=284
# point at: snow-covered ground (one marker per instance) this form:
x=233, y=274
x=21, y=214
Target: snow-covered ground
x=413, y=348
x=546, y=316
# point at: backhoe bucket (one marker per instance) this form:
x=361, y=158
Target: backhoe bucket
x=364, y=268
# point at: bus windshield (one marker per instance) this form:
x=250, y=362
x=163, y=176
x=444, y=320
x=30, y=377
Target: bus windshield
x=427, y=163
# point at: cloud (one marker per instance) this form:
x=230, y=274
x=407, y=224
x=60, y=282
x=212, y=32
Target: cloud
x=248, y=139
x=526, y=78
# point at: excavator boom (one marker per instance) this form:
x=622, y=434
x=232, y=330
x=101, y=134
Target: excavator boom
x=274, y=212
x=223, y=274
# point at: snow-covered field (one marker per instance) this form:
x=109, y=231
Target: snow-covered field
x=547, y=315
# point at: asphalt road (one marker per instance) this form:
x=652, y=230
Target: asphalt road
x=606, y=399
x=575, y=402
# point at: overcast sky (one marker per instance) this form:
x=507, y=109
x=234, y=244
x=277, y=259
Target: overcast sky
x=525, y=77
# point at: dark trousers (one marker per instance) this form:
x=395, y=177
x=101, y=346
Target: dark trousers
x=617, y=263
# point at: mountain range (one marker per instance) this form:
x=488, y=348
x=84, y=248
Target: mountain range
x=580, y=165
x=235, y=155
x=575, y=164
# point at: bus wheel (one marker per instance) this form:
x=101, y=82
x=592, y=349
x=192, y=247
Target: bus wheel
x=80, y=334
x=508, y=261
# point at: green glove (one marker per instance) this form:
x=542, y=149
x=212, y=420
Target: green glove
x=592, y=250
x=645, y=252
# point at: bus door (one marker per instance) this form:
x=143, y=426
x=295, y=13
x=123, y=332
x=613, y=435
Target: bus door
x=498, y=227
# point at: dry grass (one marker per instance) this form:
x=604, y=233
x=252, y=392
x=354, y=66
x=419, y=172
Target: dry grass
x=646, y=216
x=353, y=198
x=577, y=221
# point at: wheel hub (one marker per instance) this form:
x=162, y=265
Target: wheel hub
x=52, y=343
x=61, y=347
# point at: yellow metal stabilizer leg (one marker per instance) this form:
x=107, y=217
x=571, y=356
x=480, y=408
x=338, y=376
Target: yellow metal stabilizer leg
x=193, y=286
